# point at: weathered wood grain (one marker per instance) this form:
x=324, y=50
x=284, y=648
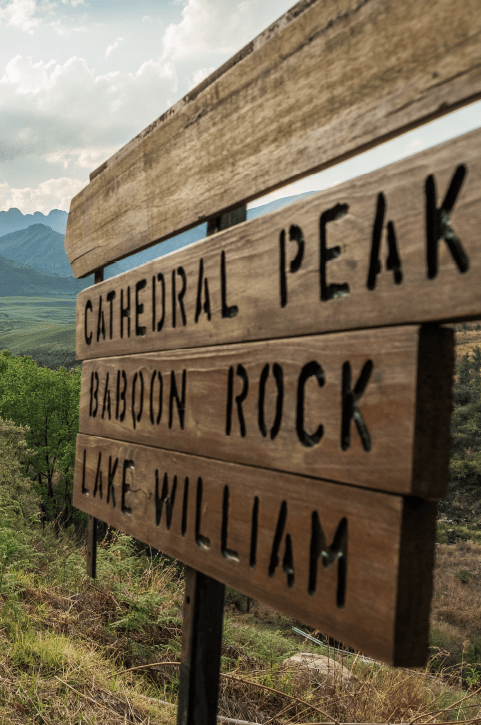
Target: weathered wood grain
x=354, y=563
x=254, y=281
x=363, y=407
x=329, y=79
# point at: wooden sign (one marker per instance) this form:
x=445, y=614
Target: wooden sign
x=219, y=422
x=360, y=407
x=330, y=79
x=352, y=562
x=399, y=245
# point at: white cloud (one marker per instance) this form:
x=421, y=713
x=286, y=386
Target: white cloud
x=85, y=158
x=219, y=26
x=51, y=194
x=199, y=76
x=66, y=113
x=113, y=46
x=66, y=32
x=20, y=14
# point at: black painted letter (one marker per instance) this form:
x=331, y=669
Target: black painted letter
x=295, y=235
x=88, y=338
x=393, y=261
x=140, y=330
x=438, y=223
x=350, y=410
x=241, y=373
x=227, y=310
x=310, y=369
x=337, y=551
x=180, y=401
x=330, y=291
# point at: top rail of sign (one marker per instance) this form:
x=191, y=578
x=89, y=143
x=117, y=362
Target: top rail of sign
x=328, y=80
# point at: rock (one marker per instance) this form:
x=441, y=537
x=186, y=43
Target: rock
x=320, y=665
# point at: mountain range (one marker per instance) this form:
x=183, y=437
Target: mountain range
x=13, y=220
x=35, y=243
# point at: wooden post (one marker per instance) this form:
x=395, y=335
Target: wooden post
x=203, y=610
x=201, y=647
x=92, y=521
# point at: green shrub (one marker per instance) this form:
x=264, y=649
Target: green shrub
x=464, y=575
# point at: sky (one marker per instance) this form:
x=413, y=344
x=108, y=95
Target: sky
x=80, y=78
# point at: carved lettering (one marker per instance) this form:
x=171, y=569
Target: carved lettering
x=327, y=254
x=94, y=394
x=295, y=235
x=226, y=552
x=241, y=373
x=124, y=312
x=288, y=559
x=106, y=403
x=203, y=297
x=128, y=468
x=140, y=330
x=438, y=223
x=337, y=551
x=393, y=261
x=312, y=369
x=110, y=299
x=88, y=307
x=179, y=399
x=202, y=541
x=350, y=409
x=227, y=310
x=160, y=323
x=166, y=497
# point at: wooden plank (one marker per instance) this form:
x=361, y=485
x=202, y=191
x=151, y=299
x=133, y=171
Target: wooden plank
x=330, y=79
x=354, y=563
x=277, y=276
x=360, y=407
x=201, y=649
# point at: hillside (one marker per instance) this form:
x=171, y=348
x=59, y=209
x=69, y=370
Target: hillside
x=42, y=248
x=37, y=246
x=18, y=279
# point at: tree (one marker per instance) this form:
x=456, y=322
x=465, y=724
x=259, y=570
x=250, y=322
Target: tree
x=465, y=463
x=47, y=402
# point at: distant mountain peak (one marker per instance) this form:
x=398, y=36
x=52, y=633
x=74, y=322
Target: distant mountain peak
x=13, y=220
x=39, y=225
x=13, y=212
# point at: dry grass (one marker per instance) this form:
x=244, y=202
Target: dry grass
x=456, y=609
x=467, y=337
x=66, y=643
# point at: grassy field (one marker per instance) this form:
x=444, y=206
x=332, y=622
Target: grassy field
x=42, y=327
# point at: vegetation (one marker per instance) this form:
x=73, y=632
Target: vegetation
x=78, y=651
x=41, y=327
x=463, y=502
x=46, y=404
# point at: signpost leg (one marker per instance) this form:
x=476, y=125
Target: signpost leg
x=92, y=521
x=201, y=647
x=203, y=610
x=92, y=547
